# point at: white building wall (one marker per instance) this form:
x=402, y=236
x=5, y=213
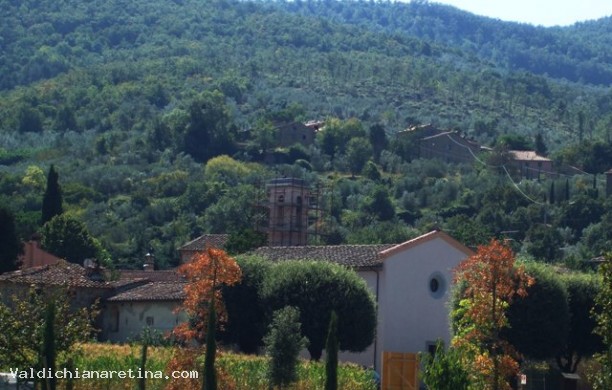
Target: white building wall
x=133, y=317
x=367, y=357
x=410, y=314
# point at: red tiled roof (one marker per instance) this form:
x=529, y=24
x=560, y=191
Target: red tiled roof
x=204, y=241
x=62, y=273
x=348, y=255
x=355, y=256
x=153, y=291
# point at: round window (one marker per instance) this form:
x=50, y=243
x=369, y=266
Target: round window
x=437, y=285
x=434, y=285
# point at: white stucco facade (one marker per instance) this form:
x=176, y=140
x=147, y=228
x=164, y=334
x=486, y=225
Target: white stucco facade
x=124, y=321
x=412, y=309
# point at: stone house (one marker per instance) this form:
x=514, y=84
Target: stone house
x=291, y=133
x=153, y=305
x=129, y=303
x=449, y=147
x=528, y=164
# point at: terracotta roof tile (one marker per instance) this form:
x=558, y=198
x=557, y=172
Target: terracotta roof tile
x=62, y=273
x=354, y=256
x=349, y=255
x=153, y=291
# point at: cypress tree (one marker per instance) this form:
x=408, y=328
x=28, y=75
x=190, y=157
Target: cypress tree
x=551, y=196
x=48, y=348
x=52, y=200
x=210, y=376
x=143, y=366
x=10, y=246
x=283, y=345
x=331, y=357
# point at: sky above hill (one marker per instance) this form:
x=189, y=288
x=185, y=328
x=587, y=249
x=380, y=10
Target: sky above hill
x=537, y=12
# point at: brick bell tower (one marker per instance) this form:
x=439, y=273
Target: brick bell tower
x=289, y=201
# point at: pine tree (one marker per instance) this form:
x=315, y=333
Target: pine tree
x=52, y=200
x=331, y=351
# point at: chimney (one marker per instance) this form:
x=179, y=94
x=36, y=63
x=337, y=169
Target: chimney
x=149, y=264
x=93, y=270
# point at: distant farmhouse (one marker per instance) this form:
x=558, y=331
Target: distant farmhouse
x=291, y=133
x=452, y=147
x=530, y=165
x=449, y=147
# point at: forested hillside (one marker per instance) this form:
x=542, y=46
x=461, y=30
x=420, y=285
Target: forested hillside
x=579, y=53
x=134, y=102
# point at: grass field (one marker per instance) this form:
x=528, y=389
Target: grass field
x=236, y=372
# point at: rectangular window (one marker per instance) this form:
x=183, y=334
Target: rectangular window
x=150, y=321
x=430, y=347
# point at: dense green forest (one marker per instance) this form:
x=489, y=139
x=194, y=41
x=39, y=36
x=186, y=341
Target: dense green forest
x=134, y=102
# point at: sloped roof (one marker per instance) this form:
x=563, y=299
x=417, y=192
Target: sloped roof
x=527, y=155
x=348, y=255
x=444, y=134
x=153, y=291
x=423, y=239
x=354, y=256
x=452, y=134
x=62, y=273
x=204, y=241
x=152, y=276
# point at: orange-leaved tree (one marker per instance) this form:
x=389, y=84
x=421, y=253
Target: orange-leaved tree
x=206, y=273
x=488, y=282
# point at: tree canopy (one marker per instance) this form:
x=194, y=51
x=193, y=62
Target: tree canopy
x=492, y=282
x=52, y=200
x=10, y=245
x=317, y=289
x=206, y=274
x=68, y=238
